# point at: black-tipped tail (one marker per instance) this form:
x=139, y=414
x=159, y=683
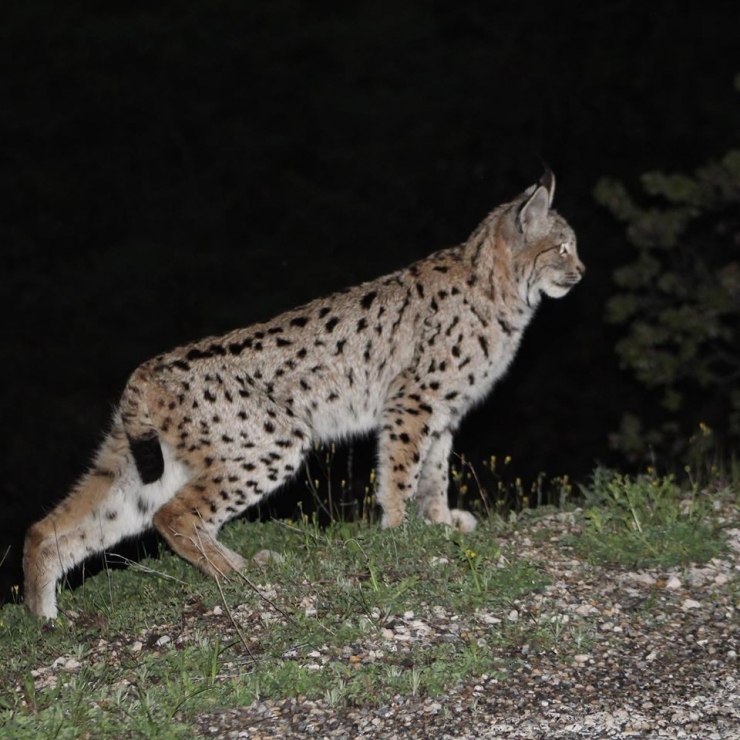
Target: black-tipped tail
x=148, y=457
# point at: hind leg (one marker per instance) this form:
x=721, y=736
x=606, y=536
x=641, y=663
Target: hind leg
x=107, y=505
x=189, y=525
x=190, y=521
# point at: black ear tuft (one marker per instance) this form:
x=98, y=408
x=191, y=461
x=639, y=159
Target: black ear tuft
x=547, y=181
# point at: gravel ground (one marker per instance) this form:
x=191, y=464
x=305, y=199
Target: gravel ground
x=646, y=654
x=649, y=654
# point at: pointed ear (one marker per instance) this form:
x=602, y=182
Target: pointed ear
x=534, y=211
x=547, y=181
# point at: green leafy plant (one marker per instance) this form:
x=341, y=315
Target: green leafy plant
x=679, y=302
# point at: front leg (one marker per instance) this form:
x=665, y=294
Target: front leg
x=431, y=493
x=410, y=427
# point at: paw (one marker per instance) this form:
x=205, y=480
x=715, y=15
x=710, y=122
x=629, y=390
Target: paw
x=391, y=519
x=463, y=521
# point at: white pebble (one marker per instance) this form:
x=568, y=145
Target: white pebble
x=644, y=579
x=673, y=583
x=585, y=609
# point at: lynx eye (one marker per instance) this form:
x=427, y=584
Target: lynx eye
x=563, y=250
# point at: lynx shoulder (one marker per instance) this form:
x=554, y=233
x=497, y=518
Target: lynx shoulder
x=209, y=429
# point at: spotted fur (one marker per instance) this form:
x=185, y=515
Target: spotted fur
x=209, y=429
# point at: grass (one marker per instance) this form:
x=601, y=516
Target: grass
x=348, y=613
x=648, y=521
x=151, y=647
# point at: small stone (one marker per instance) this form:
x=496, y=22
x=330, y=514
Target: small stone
x=581, y=659
x=137, y=646
x=585, y=609
x=644, y=579
x=673, y=583
x=513, y=615
x=163, y=640
x=263, y=557
x=217, y=611
x=690, y=604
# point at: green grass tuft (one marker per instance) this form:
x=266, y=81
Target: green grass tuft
x=646, y=521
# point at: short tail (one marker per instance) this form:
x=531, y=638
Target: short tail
x=141, y=432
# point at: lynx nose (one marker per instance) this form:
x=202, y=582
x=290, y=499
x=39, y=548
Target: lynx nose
x=580, y=268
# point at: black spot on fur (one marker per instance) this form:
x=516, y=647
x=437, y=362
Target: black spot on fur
x=299, y=321
x=331, y=324
x=236, y=348
x=367, y=300
x=506, y=327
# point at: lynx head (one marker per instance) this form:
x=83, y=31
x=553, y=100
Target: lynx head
x=542, y=245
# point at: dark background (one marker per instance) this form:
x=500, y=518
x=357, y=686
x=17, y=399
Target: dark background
x=170, y=171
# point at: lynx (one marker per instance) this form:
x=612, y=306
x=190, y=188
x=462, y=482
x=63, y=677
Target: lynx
x=211, y=428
